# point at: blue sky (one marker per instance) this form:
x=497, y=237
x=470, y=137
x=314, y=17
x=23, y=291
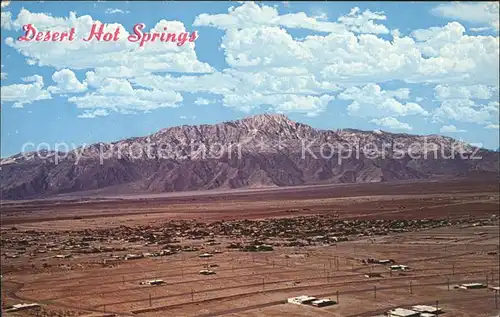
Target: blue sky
x=422, y=68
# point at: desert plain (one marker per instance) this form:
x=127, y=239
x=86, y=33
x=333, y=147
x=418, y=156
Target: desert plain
x=81, y=256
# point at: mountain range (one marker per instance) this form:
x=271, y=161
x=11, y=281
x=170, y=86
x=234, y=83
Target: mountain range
x=259, y=151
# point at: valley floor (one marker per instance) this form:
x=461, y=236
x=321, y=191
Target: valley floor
x=43, y=261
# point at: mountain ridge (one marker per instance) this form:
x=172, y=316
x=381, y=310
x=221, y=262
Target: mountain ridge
x=256, y=151
x=168, y=129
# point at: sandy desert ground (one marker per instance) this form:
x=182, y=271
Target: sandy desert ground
x=68, y=256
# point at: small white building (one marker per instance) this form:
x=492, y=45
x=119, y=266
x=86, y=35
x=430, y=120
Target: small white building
x=301, y=300
x=402, y=312
x=471, y=286
x=426, y=309
x=153, y=282
x=23, y=306
x=111, y=261
x=399, y=268
x=205, y=255
x=133, y=256
x=323, y=302
x=62, y=256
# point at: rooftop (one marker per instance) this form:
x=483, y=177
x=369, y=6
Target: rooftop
x=402, y=312
x=323, y=300
x=426, y=308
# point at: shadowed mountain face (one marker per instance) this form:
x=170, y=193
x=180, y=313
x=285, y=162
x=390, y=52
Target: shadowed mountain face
x=259, y=151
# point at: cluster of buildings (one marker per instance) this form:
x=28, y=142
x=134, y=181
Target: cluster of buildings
x=285, y=232
x=175, y=236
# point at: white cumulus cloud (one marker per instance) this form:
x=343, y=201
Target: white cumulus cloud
x=3, y=75
x=485, y=13
x=443, y=92
x=115, y=11
x=203, y=101
x=66, y=83
x=348, y=57
x=21, y=94
x=391, y=123
x=108, y=60
x=464, y=110
x=119, y=95
x=158, y=57
x=472, y=104
x=372, y=101
x=481, y=29
x=251, y=15
x=364, y=22
x=308, y=105
x=90, y=114
x=450, y=129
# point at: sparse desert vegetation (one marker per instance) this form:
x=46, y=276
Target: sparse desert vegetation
x=367, y=253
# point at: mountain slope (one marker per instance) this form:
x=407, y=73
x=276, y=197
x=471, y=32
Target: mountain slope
x=263, y=150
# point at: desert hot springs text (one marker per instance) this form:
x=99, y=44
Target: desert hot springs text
x=97, y=33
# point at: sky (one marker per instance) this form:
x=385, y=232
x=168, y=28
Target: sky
x=403, y=67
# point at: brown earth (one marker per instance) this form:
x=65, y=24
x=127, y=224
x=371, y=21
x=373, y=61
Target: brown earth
x=257, y=283
x=403, y=200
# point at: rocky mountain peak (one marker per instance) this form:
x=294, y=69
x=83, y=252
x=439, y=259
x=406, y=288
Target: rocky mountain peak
x=269, y=117
x=269, y=124
x=261, y=150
